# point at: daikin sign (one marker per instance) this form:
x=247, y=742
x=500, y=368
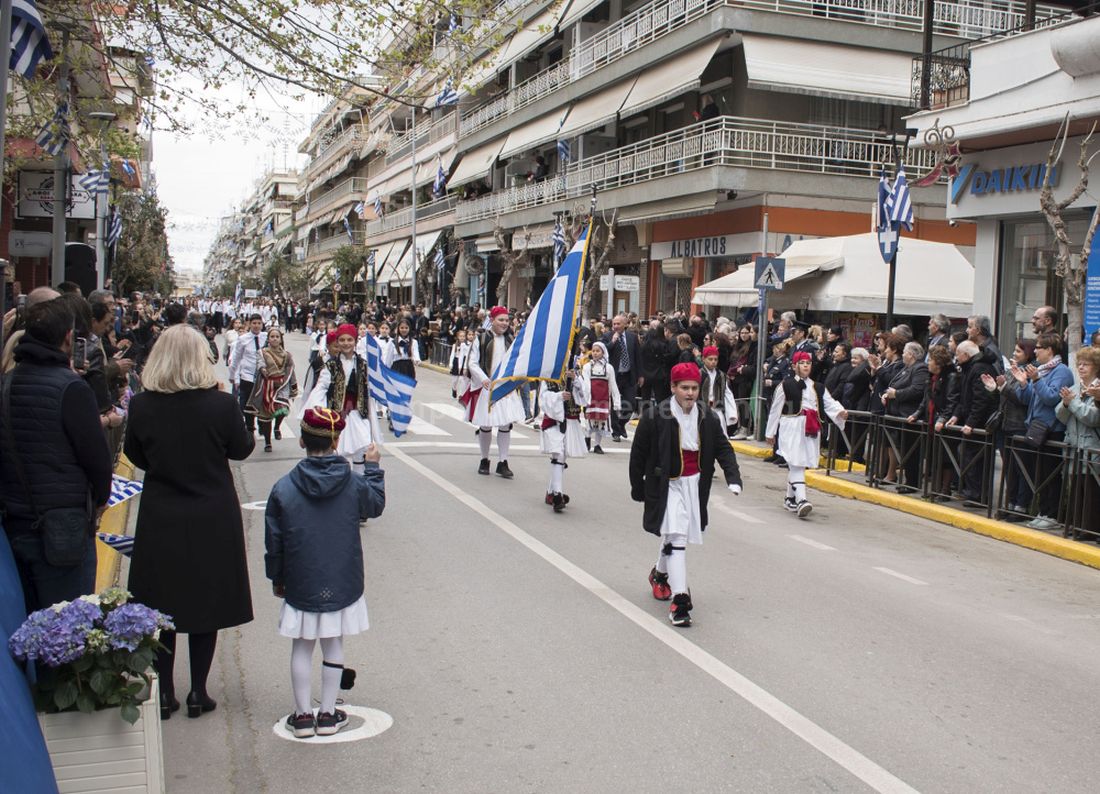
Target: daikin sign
x=1013, y=179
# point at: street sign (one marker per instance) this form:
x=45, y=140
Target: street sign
x=622, y=283
x=770, y=271
x=888, y=242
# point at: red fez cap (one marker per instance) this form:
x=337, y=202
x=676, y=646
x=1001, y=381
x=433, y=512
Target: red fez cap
x=685, y=371
x=496, y=311
x=322, y=422
x=801, y=355
x=330, y=337
x=710, y=350
x=347, y=329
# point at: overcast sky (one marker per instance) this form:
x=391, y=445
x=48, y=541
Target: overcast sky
x=206, y=175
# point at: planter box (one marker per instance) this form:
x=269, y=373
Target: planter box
x=101, y=752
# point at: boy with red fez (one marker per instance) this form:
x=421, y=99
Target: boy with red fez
x=671, y=470
x=716, y=392
x=342, y=387
x=794, y=415
x=487, y=351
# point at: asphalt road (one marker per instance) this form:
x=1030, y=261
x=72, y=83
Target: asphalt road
x=520, y=651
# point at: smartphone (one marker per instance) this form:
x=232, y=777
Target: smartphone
x=80, y=353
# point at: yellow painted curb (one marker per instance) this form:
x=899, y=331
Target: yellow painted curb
x=435, y=368
x=114, y=520
x=753, y=450
x=1001, y=530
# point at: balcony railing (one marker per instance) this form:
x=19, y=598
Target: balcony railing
x=337, y=241
x=301, y=215
x=348, y=190
x=726, y=141
x=964, y=19
x=402, y=218
x=327, y=151
x=284, y=226
x=401, y=146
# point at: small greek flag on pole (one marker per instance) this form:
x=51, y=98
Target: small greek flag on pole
x=347, y=228
x=121, y=543
x=378, y=209
x=563, y=150
x=269, y=227
x=899, y=202
x=371, y=258
x=29, y=44
x=389, y=388
x=558, y=239
x=115, y=230
x=128, y=169
x=97, y=182
x=54, y=137
x=123, y=489
x=440, y=259
x=440, y=186
x=453, y=24
x=448, y=96
x=360, y=209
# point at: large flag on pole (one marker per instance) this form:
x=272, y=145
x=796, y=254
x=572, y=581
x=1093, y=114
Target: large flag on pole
x=541, y=349
x=899, y=202
x=389, y=388
x=29, y=43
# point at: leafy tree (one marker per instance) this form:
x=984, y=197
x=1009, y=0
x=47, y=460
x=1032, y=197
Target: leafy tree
x=141, y=260
x=347, y=261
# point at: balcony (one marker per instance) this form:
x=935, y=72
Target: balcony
x=353, y=189
x=402, y=218
x=284, y=226
x=401, y=146
x=337, y=241
x=328, y=149
x=727, y=141
x=969, y=19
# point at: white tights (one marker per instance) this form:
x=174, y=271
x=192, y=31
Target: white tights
x=796, y=482
x=557, y=472
x=301, y=665
x=596, y=434
x=674, y=563
x=504, y=440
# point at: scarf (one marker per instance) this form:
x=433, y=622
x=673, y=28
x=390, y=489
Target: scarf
x=275, y=356
x=1045, y=369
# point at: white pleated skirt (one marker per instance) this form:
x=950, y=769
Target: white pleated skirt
x=299, y=625
x=356, y=435
x=552, y=441
x=682, y=513
x=505, y=411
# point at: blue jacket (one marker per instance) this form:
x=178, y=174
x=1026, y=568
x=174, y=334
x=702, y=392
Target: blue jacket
x=312, y=531
x=1042, y=396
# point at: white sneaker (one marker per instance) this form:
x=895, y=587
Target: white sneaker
x=804, y=508
x=790, y=504
x=1042, y=522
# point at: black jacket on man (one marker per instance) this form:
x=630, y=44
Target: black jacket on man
x=910, y=386
x=655, y=458
x=976, y=403
x=633, y=352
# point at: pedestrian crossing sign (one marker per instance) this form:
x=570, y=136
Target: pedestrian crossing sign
x=769, y=272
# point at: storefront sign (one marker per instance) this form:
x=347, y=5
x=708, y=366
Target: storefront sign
x=33, y=244
x=36, y=197
x=622, y=283
x=718, y=245
x=1092, y=293
x=1017, y=178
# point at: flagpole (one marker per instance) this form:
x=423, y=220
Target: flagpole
x=60, y=175
x=416, y=264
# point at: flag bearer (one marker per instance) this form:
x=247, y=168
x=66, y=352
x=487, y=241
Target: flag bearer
x=487, y=351
x=561, y=437
x=342, y=386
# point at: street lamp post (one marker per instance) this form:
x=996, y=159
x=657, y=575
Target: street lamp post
x=416, y=262
x=104, y=118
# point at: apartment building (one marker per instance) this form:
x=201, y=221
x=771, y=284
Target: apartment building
x=1001, y=101
x=692, y=119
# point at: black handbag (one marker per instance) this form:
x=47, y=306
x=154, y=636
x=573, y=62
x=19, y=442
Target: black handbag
x=64, y=530
x=993, y=423
x=1037, y=433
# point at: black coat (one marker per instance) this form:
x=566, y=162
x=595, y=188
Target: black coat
x=655, y=457
x=910, y=385
x=657, y=357
x=976, y=403
x=189, y=552
x=880, y=382
x=857, y=388
x=837, y=379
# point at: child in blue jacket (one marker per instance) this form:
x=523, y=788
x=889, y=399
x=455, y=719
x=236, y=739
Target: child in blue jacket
x=315, y=562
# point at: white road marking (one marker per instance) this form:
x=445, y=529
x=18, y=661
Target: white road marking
x=374, y=723
x=901, y=576
x=849, y=758
x=421, y=428
x=254, y=505
x=738, y=514
x=1031, y=624
x=459, y=414
x=513, y=447
x=812, y=543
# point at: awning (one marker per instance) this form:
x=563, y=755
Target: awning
x=529, y=135
x=531, y=35
x=670, y=78
x=395, y=184
x=382, y=257
x=666, y=209
x=486, y=245
x=403, y=267
x=481, y=72
x=809, y=67
x=535, y=237
x=596, y=110
x=846, y=274
x=425, y=243
x=576, y=10
x=476, y=164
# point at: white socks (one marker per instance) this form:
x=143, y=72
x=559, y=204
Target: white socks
x=674, y=563
x=555, y=475
x=504, y=440
x=596, y=436
x=485, y=440
x=796, y=483
x=301, y=665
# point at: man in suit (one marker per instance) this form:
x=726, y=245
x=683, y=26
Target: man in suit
x=623, y=348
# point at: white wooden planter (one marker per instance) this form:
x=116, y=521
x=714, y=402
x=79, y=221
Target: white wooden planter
x=101, y=752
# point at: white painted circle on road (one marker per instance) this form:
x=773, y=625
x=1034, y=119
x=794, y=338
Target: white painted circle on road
x=363, y=723
x=254, y=505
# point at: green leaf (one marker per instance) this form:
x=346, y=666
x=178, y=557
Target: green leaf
x=65, y=694
x=130, y=712
x=85, y=702
x=100, y=681
x=84, y=663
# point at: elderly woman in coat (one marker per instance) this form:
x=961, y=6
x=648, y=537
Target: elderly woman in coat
x=1081, y=416
x=902, y=399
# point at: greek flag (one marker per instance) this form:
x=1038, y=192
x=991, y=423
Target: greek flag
x=360, y=209
x=115, y=230
x=389, y=388
x=269, y=227
x=237, y=293
x=541, y=350
x=371, y=260
x=149, y=60
x=883, y=200
x=899, y=203
x=97, y=182
x=452, y=26
x=448, y=96
x=347, y=228
x=123, y=544
x=54, y=137
x=558, y=238
x=378, y=206
x=128, y=168
x=440, y=258
x=122, y=489
x=29, y=44
x=563, y=151
x=440, y=186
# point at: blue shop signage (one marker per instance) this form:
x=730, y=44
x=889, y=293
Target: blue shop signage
x=1013, y=179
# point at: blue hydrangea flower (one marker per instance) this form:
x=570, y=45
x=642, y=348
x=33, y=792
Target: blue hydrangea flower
x=129, y=624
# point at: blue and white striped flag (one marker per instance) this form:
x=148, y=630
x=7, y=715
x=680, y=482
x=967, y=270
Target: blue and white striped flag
x=360, y=209
x=123, y=544
x=269, y=227
x=899, y=203
x=563, y=150
x=114, y=231
x=541, y=349
x=378, y=209
x=347, y=228
x=440, y=258
x=54, y=137
x=128, y=168
x=237, y=293
x=558, y=239
x=98, y=183
x=123, y=489
x=883, y=201
x=29, y=43
x=372, y=259
x=389, y=388
x=440, y=186
x=453, y=24
x=448, y=96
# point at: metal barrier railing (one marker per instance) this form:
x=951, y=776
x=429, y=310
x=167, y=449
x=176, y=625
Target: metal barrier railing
x=1082, y=488
x=440, y=353
x=1032, y=479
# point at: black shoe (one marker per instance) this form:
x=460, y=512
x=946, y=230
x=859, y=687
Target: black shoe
x=772, y=458
x=905, y=489
x=597, y=450
x=483, y=467
x=267, y=448
x=680, y=611
x=278, y=435
x=328, y=724
x=588, y=443
x=804, y=508
x=504, y=471
x=168, y=704
x=301, y=725
x=559, y=503
x=198, y=705
x=615, y=438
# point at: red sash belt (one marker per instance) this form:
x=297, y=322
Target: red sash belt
x=547, y=422
x=691, y=462
x=813, y=423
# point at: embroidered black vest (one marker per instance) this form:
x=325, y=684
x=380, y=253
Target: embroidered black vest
x=792, y=396
x=719, y=389
x=485, y=349
x=339, y=389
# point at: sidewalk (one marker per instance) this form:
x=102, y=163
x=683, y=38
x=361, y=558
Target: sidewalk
x=827, y=482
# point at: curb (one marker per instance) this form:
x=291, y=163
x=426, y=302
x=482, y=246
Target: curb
x=114, y=520
x=1063, y=548
x=435, y=368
